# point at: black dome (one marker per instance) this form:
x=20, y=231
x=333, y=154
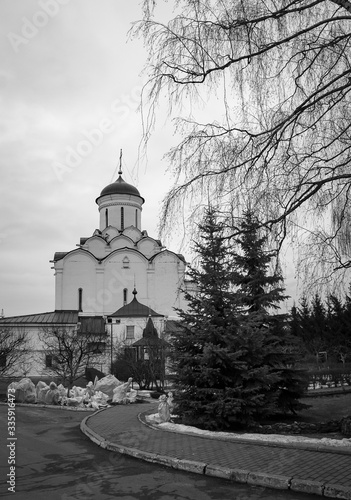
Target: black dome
x=120, y=187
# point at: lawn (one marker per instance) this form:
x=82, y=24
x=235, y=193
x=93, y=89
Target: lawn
x=326, y=408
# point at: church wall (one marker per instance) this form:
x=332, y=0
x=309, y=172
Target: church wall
x=103, y=284
x=79, y=271
x=121, y=271
x=169, y=272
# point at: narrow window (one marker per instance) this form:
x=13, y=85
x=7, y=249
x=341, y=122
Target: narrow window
x=122, y=218
x=136, y=218
x=48, y=360
x=106, y=217
x=130, y=332
x=125, y=296
x=80, y=299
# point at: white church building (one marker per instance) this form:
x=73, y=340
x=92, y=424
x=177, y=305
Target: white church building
x=119, y=275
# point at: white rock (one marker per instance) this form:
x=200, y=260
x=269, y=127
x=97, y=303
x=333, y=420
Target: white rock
x=25, y=391
x=62, y=390
x=52, y=396
x=107, y=384
x=41, y=389
x=120, y=392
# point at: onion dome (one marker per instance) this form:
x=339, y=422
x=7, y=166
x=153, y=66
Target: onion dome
x=120, y=186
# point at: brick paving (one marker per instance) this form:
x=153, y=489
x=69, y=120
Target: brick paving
x=326, y=472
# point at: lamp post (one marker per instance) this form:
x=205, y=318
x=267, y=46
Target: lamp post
x=111, y=347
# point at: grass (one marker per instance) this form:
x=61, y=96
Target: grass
x=325, y=408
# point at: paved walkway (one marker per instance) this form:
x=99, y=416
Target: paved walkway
x=324, y=472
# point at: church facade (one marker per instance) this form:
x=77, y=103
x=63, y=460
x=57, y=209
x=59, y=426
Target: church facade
x=119, y=275
x=98, y=276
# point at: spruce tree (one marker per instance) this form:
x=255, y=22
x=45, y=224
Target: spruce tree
x=276, y=385
x=233, y=361
x=206, y=352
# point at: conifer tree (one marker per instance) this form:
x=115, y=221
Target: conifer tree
x=270, y=350
x=232, y=359
x=206, y=353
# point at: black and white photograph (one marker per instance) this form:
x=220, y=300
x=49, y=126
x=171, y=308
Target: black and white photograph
x=175, y=249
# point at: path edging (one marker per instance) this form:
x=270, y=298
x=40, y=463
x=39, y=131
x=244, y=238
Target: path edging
x=238, y=475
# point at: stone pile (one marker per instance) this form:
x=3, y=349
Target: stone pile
x=95, y=395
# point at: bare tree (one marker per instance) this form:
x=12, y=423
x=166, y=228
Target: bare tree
x=14, y=351
x=70, y=351
x=279, y=134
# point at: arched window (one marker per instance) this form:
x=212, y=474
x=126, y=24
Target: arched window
x=125, y=296
x=125, y=263
x=136, y=218
x=80, y=299
x=122, y=218
x=106, y=217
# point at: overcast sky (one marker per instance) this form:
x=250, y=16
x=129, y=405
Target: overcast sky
x=66, y=73
x=70, y=87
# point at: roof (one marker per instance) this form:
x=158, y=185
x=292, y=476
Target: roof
x=150, y=336
x=59, y=255
x=134, y=310
x=150, y=330
x=55, y=317
x=153, y=341
x=92, y=324
x=173, y=326
x=120, y=187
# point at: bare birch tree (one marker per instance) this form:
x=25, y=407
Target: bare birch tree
x=280, y=138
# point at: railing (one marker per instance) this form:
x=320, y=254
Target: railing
x=329, y=377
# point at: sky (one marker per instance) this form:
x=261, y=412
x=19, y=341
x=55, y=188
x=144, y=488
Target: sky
x=70, y=87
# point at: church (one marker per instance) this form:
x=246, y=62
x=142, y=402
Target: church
x=117, y=280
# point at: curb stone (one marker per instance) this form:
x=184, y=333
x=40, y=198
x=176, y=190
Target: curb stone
x=337, y=491
x=325, y=448
x=240, y=476
x=277, y=482
x=303, y=485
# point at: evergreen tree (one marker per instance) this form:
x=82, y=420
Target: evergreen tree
x=233, y=361
x=339, y=327
x=316, y=335
x=296, y=330
x=301, y=325
x=271, y=350
x=305, y=316
x=206, y=353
